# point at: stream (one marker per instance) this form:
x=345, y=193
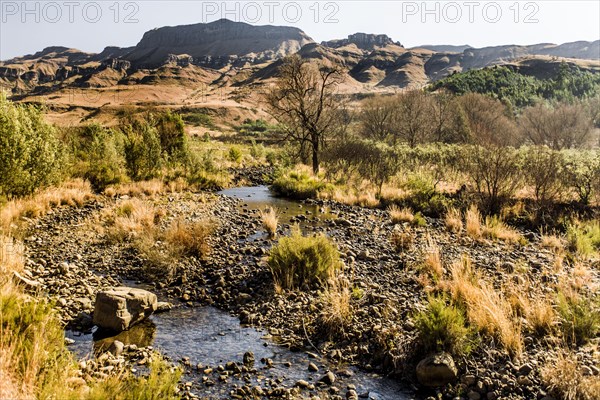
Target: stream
x=211, y=337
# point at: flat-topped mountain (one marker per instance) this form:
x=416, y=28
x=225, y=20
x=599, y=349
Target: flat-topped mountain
x=224, y=55
x=219, y=39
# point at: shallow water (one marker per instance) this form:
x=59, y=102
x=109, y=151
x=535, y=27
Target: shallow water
x=212, y=337
x=255, y=198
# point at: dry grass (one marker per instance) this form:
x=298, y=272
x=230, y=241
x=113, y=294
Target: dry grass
x=33, y=360
x=72, y=193
x=473, y=223
x=399, y=215
x=269, y=220
x=142, y=188
x=189, y=238
x=336, y=311
x=364, y=198
x=402, y=240
x=433, y=263
x=552, y=242
x=131, y=219
x=453, y=220
x=496, y=229
x=564, y=379
x=486, y=308
x=538, y=312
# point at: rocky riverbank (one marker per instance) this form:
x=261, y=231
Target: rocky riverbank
x=70, y=259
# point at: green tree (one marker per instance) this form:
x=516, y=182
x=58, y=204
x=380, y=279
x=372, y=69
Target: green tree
x=30, y=154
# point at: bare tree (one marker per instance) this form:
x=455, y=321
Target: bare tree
x=487, y=120
x=561, y=127
x=414, y=122
x=379, y=118
x=304, y=101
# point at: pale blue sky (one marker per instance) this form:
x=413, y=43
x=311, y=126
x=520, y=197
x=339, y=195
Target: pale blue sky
x=90, y=26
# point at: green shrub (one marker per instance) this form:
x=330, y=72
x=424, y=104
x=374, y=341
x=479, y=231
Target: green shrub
x=99, y=156
x=582, y=173
x=235, y=154
x=300, y=260
x=173, y=140
x=142, y=150
x=30, y=155
x=442, y=327
x=580, y=317
x=198, y=119
x=584, y=237
x=297, y=185
x=419, y=220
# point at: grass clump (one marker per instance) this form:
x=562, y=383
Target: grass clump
x=402, y=241
x=487, y=309
x=584, y=237
x=564, y=379
x=336, y=311
x=297, y=261
x=442, y=327
x=189, y=238
x=473, y=223
x=160, y=383
x=580, y=316
x=399, y=215
x=453, y=220
x=297, y=185
x=496, y=229
x=269, y=220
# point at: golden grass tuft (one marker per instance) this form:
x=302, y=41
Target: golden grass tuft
x=131, y=219
x=72, y=193
x=270, y=220
x=453, y=220
x=433, y=263
x=473, y=223
x=402, y=240
x=564, y=379
x=137, y=189
x=496, y=229
x=336, y=311
x=486, y=308
x=398, y=215
x=189, y=238
x=552, y=242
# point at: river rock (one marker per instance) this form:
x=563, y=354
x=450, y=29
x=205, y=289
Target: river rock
x=437, y=370
x=120, y=308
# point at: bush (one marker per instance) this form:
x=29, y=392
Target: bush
x=297, y=261
x=235, y=154
x=584, y=237
x=495, y=173
x=543, y=169
x=582, y=173
x=580, y=319
x=442, y=327
x=297, y=185
x=99, y=156
x=142, y=150
x=30, y=155
x=173, y=140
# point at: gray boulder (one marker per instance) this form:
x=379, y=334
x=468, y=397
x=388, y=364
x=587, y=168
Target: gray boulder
x=120, y=308
x=437, y=370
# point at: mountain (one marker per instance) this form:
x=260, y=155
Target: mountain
x=232, y=61
x=217, y=44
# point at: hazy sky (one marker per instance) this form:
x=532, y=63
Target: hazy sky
x=29, y=26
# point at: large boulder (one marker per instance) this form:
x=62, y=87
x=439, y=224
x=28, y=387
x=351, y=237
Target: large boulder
x=437, y=370
x=119, y=308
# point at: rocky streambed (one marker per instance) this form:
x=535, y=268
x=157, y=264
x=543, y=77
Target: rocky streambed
x=292, y=356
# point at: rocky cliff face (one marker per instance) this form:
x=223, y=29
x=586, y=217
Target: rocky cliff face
x=241, y=54
x=213, y=43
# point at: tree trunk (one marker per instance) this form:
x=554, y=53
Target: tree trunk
x=315, y=156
